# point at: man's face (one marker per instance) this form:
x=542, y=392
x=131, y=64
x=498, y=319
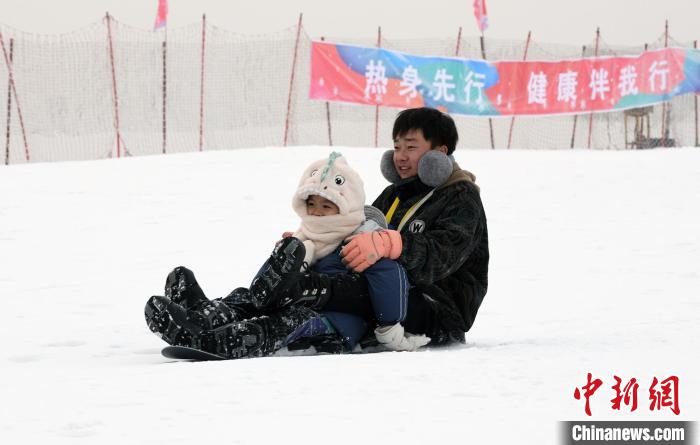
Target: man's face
x=408, y=149
x=319, y=206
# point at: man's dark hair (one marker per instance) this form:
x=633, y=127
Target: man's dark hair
x=438, y=128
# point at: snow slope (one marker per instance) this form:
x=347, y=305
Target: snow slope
x=594, y=269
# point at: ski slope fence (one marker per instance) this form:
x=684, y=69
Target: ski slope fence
x=112, y=90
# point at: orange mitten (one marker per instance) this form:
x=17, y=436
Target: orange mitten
x=367, y=248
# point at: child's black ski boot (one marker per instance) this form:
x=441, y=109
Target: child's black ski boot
x=278, y=274
x=346, y=292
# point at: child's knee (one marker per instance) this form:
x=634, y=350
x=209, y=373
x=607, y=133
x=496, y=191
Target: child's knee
x=384, y=264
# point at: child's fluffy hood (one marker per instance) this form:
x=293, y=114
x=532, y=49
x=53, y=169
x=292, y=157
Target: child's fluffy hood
x=333, y=179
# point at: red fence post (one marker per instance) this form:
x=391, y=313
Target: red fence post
x=573, y=132
x=165, y=90
x=14, y=90
x=328, y=119
x=291, y=82
x=512, y=120
x=483, y=56
x=328, y=116
x=115, y=97
x=9, y=109
x=695, y=98
x=459, y=41
x=664, y=106
x=376, y=112
x=590, y=118
x=201, y=84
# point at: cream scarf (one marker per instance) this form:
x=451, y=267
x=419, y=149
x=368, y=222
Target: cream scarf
x=322, y=234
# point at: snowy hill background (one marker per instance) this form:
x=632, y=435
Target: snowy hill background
x=594, y=269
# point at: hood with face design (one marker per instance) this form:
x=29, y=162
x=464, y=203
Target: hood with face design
x=333, y=179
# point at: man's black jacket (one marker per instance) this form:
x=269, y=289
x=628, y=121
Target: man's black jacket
x=445, y=247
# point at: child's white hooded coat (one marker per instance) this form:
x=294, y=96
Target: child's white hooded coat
x=333, y=179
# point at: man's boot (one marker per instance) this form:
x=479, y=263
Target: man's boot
x=212, y=314
x=205, y=315
x=170, y=321
x=259, y=336
x=182, y=288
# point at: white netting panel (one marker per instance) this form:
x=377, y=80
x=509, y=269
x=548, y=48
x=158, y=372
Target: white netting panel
x=66, y=92
x=65, y=97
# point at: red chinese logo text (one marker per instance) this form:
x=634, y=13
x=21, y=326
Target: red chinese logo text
x=662, y=394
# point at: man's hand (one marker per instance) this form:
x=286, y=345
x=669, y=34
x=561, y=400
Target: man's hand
x=287, y=234
x=367, y=248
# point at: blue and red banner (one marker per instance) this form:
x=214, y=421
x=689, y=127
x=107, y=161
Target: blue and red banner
x=376, y=76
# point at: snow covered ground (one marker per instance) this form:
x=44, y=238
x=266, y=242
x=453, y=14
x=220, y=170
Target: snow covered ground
x=594, y=268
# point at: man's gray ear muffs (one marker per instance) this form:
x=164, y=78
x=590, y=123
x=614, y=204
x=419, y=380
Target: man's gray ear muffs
x=387, y=167
x=434, y=168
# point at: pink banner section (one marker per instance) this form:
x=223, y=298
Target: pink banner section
x=482, y=19
x=161, y=15
x=375, y=76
